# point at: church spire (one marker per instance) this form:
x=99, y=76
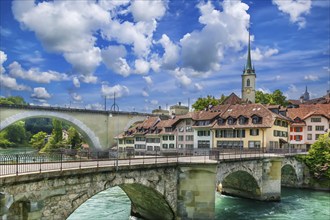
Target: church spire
x=249, y=69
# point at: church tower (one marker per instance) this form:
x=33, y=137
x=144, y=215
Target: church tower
x=249, y=79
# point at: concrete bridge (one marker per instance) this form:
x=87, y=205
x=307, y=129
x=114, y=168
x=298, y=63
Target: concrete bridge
x=98, y=127
x=166, y=188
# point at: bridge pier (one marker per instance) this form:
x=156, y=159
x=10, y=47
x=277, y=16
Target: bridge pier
x=196, y=192
x=271, y=180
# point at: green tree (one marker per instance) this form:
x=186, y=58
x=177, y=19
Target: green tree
x=318, y=158
x=17, y=100
x=16, y=133
x=74, y=139
x=57, y=131
x=203, y=103
x=4, y=142
x=222, y=98
x=275, y=98
x=38, y=140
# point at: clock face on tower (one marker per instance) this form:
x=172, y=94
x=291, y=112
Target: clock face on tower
x=248, y=91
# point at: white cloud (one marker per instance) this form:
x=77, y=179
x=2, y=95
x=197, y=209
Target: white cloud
x=11, y=83
x=118, y=90
x=141, y=66
x=292, y=88
x=95, y=106
x=154, y=102
x=65, y=27
x=171, y=54
x=203, y=50
x=264, y=90
x=76, y=82
x=40, y=93
x=311, y=77
x=148, y=80
x=198, y=87
x=114, y=58
x=295, y=8
x=34, y=74
x=89, y=79
x=145, y=93
x=148, y=10
x=258, y=55
x=76, y=97
x=3, y=58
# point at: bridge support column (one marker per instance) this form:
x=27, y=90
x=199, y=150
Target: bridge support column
x=196, y=192
x=271, y=180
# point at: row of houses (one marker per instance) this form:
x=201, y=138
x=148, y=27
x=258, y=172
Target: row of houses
x=230, y=126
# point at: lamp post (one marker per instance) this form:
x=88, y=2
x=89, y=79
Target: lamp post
x=115, y=108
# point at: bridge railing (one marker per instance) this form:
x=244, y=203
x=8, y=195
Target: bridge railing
x=16, y=164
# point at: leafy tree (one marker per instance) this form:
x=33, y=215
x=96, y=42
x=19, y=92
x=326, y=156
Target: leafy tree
x=74, y=139
x=318, y=158
x=17, y=100
x=38, y=140
x=57, y=130
x=35, y=125
x=222, y=98
x=4, y=142
x=275, y=98
x=203, y=103
x=16, y=133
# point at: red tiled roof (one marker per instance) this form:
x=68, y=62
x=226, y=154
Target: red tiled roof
x=232, y=99
x=305, y=110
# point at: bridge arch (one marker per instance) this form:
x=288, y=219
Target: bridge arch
x=92, y=139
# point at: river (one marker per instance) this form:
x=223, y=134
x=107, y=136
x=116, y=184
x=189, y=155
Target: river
x=113, y=204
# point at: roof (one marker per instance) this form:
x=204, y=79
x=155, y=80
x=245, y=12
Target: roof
x=232, y=99
x=305, y=111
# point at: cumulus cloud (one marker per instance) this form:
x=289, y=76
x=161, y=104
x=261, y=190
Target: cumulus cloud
x=3, y=58
x=171, y=54
x=34, y=74
x=141, y=66
x=114, y=58
x=40, y=93
x=89, y=79
x=76, y=97
x=258, y=54
x=198, y=87
x=148, y=80
x=118, y=90
x=76, y=82
x=296, y=9
x=148, y=10
x=203, y=50
x=154, y=102
x=292, y=88
x=311, y=77
x=11, y=83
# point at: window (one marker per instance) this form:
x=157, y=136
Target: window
x=243, y=120
x=298, y=129
x=309, y=128
x=189, y=146
x=149, y=148
x=180, y=138
x=140, y=146
x=180, y=145
x=319, y=128
x=203, y=133
x=317, y=136
x=309, y=136
x=189, y=129
x=171, y=145
x=248, y=82
x=231, y=121
x=256, y=120
x=181, y=129
x=230, y=144
x=230, y=133
x=129, y=141
x=254, y=132
x=221, y=121
x=165, y=146
x=188, y=122
x=153, y=140
x=254, y=144
x=171, y=137
x=140, y=139
x=315, y=119
x=203, y=144
x=165, y=138
x=202, y=123
x=168, y=129
x=189, y=137
x=298, y=137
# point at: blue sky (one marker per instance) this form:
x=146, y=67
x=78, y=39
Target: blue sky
x=159, y=53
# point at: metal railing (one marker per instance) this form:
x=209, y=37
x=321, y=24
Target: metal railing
x=16, y=164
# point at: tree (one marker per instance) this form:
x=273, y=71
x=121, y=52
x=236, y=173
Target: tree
x=4, y=142
x=57, y=130
x=275, y=98
x=74, y=138
x=13, y=100
x=38, y=140
x=16, y=133
x=203, y=103
x=318, y=158
x=222, y=98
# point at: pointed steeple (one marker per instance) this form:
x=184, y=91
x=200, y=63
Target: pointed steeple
x=249, y=69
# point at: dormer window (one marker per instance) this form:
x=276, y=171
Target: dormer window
x=242, y=120
x=256, y=119
x=231, y=121
x=221, y=121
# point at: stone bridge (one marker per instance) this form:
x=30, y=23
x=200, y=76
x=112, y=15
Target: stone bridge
x=98, y=127
x=166, y=190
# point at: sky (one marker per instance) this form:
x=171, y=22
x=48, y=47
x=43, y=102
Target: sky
x=152, y=53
